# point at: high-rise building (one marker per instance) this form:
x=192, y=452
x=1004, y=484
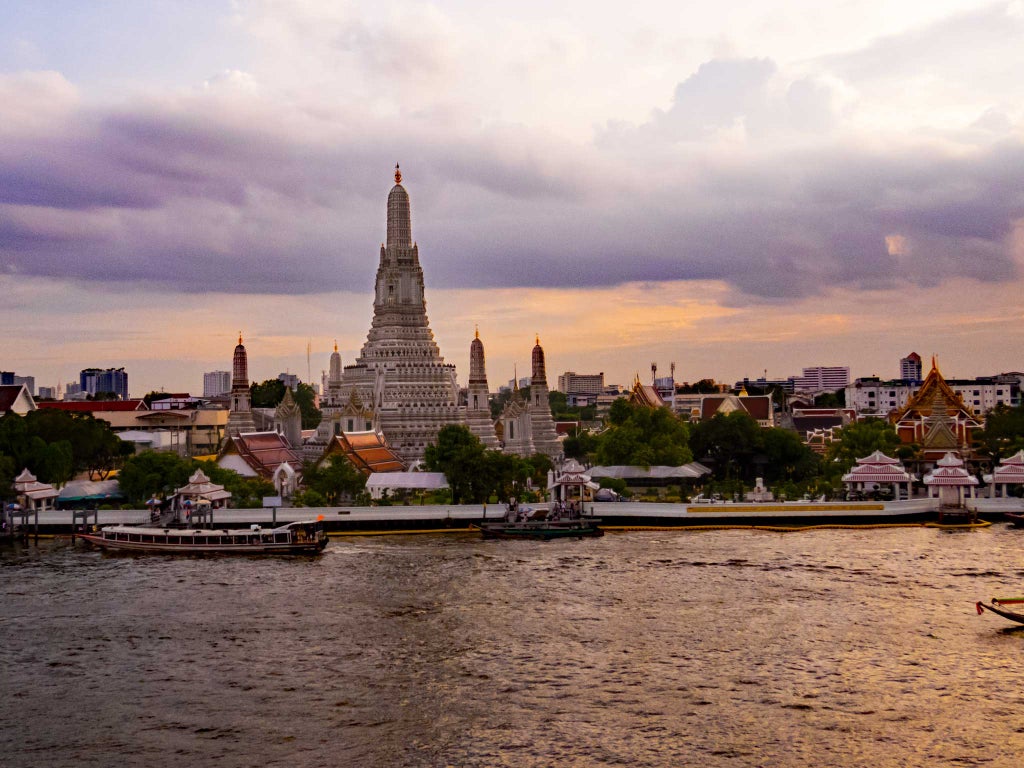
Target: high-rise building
x=6, y=378
x=910, y=367
x=29, y=382
x=216, y=383
x=823, y=377
x=572, y=383
x=115, y=380
x=47, y=393
x=290, y=380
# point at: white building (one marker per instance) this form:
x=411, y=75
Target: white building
x=216, y=383
x=572, y=383
x=874, y=397
x=823, y=378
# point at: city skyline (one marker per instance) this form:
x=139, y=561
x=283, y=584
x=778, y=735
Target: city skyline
x=767, y=186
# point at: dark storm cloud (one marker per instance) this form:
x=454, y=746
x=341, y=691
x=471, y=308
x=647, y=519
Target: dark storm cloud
x=196, y=196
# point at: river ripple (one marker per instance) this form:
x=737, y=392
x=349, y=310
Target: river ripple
x=720, y=648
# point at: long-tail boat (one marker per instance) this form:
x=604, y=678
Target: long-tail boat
x=998, y=607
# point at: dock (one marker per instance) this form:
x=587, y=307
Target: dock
x=452, y=518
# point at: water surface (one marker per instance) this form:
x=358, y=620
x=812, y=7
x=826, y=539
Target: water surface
x=718, y=648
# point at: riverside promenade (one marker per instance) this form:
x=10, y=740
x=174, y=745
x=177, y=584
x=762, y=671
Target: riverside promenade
x=613, y=515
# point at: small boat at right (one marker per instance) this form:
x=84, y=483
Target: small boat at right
x=1016, y=518
x=999, y=607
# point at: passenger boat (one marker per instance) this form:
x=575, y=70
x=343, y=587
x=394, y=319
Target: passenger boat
x=299, y=538
x=998, y=607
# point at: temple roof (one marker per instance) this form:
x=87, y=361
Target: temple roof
x=934, y=391
x=646, y=395
x=758, y=406
x=367, y=451
x=264, y=452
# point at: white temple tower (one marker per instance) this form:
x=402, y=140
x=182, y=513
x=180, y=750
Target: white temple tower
x=545, y=439
x=240, y=416
x=478, y=409
x=400, y=375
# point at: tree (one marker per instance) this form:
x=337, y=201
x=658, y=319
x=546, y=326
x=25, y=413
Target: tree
x=786, y=456
x=153, y=472
x=460, y=455
x=1003, y=434
x=475, y=474
x=835, y=399
x=270, y=393
x=580, y=446
x=729, y=440
x=266, y=394
x=860, y=439
x=305, y=398
x=645, y=437
x=702, y=387
x=335, y=479
x=55, y=445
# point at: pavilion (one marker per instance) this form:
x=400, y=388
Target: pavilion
x=33, y=495
x=1008, y=472
x=950, y=481
x=879, y=469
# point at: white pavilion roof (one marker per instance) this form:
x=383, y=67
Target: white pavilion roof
x=27, y=484
x=199, y=485
x=878, y=458
x=956, y=476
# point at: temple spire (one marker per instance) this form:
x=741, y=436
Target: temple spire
x=399, y=218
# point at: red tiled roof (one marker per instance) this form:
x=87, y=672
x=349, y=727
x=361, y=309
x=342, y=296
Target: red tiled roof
x=265, y=452
x=90, y=406
x=8, y=394
x=368, y=452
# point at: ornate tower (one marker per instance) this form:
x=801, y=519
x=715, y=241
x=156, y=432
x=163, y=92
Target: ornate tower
x=400, y=374
x=240, y=417
x=478, y=410
x=545, y=439
x=288, y=420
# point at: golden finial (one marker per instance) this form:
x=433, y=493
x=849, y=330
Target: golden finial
x=398, y=175
x=335, y=345
x=477, y=331
x=239, y=337
x=537, y=339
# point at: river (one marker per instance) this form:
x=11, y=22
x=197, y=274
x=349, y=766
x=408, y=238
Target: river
x=716, y=648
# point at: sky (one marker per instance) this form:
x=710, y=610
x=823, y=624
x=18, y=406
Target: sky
x=738, y=188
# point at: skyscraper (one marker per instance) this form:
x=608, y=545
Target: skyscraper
x=216, y=383
x=910, y=367
x=115, y=380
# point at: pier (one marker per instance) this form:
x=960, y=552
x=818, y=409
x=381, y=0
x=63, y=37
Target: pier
x=451, y=518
